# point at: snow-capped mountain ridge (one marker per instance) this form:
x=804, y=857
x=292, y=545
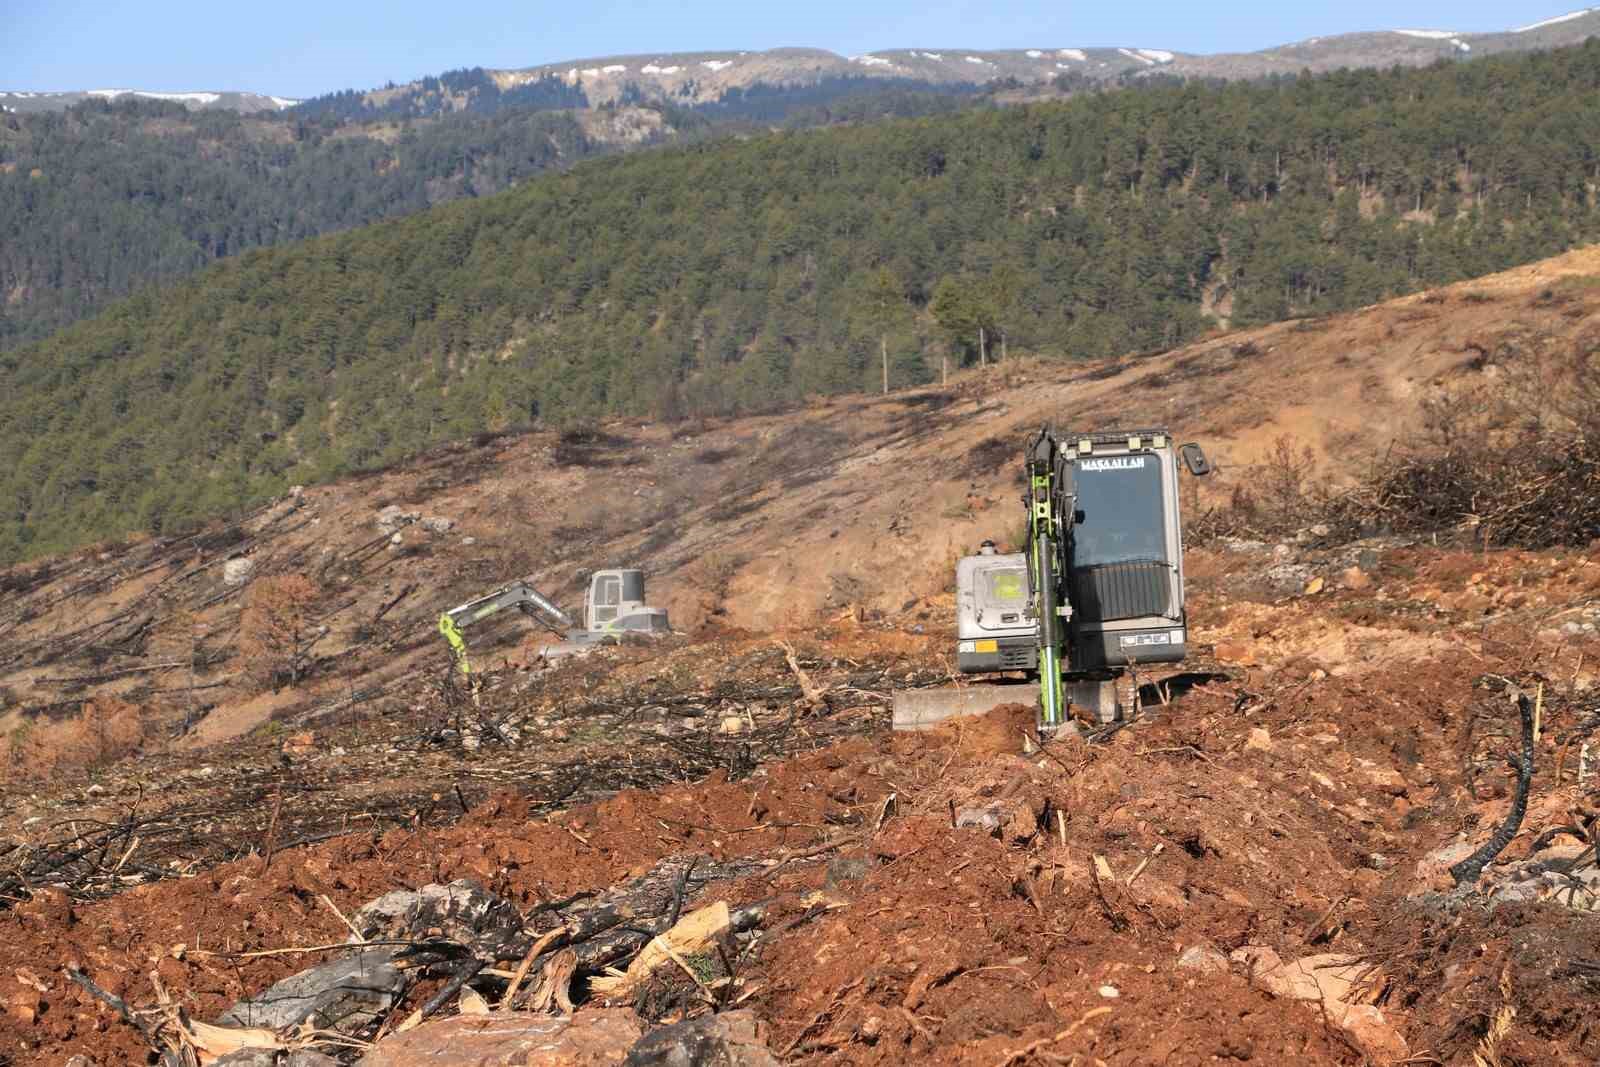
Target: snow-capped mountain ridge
x=705, y=77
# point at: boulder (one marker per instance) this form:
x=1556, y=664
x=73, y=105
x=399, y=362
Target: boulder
x=1260, y=740
x=238, y=571
x=346, y=995
x=1354, y=578
x=393, y=517
x=1202, y=958
x=1335, y=983
x=732, y=1039
x=512, y=1039
x=1433, y=870
x=1328, y=977
x=463, y=911
x=1375, y=1035
x=986, y=819
x=438, y=524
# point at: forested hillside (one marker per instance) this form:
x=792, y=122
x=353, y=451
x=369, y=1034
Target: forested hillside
x=103, y=198
x=750, y=273
x=106, y=197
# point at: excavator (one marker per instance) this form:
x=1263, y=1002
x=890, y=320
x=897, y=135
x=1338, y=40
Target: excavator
x=1096, y=593
x=613, y=609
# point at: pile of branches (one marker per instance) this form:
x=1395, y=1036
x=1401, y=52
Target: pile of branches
x=92, y=858
x=1538, y=494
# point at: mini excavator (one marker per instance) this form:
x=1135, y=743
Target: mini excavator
x=614, y=608
x=1096, y=593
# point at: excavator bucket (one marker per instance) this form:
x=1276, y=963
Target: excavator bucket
x=1093, y=701
x=923, y=709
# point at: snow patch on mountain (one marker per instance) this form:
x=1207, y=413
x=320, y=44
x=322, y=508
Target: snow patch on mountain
x=1034, y=53
x=1135, y=55
x=1432, y=35
x=716, y=64
x=1073, y=53
x=283, y=101
x=652, y=68
x=185, y=98
x=1555, y=21
x=1157, y=55
x=979, y=61
x=871, y=61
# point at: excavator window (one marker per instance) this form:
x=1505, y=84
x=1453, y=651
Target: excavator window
x=607, y=598
x=1007, y=588
x=1122, y=511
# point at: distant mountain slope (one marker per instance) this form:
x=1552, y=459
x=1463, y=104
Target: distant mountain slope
x=708, y=77
x=754, y=272
x=23, y=103
x=103, y=199
x=147, y=186
x=689, y=78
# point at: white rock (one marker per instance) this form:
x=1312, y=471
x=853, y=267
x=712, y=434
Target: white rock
x=238, y=571
x=1202, y=958
x=393, y=517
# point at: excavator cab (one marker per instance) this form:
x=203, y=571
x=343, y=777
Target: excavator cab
x=1125, y=552
x=616, y=605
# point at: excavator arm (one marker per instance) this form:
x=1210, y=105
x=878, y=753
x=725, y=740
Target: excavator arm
x=1051, y=513
x=519, y=595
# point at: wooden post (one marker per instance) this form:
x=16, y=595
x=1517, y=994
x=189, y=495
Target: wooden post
x=983, y=350
x=884, y=341
x=944, y=368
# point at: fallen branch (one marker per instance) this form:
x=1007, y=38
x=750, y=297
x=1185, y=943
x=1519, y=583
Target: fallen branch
x=120, y=1006
x=1468, y=870
x=1028, y=1050
x=814, y=696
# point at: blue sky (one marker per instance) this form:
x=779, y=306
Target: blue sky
x=301, y=48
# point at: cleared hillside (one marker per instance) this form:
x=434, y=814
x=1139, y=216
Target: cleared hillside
x=768, y=521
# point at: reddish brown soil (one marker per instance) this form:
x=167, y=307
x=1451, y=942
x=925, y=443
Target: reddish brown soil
x=958, y=946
